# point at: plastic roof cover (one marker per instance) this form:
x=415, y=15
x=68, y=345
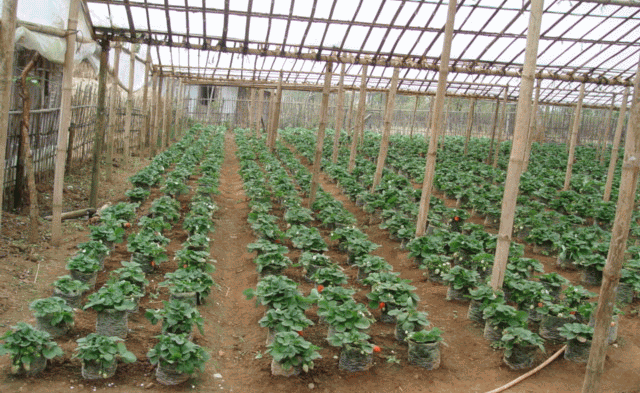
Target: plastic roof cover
x=256, y=39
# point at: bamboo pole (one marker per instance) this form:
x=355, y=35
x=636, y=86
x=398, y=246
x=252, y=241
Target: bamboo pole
x=502, y=129
x=437, y=123
x=159, y=116
x=617, y=247
x=7, y=36
x=339, y=115
x=65, y=120
x=153, y=113
x=606, y=130
x=467, y=137
x=260, y=112
x=388, y=120
x=113, y=116
x=362, y=101
x=99, y=124
x=577, y=118
x=165, y=115
x=273, y=135
x=413, y=117
x=519, y=144
x=270, y=111
x=146, y=110
x=324, y=114
x=616, y=145
x=494, y=125
x=543, y=126
x=129, y=108
x=176, y=107
x=350, y=118
x=533, y=128
x=252, y=110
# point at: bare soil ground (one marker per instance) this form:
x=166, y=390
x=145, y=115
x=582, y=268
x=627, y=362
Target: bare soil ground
x=232, y=334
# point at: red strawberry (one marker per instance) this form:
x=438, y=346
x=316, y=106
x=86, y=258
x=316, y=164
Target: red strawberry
x=320, y=288
x=376, y=348
x=300, y=333
x=381, y=305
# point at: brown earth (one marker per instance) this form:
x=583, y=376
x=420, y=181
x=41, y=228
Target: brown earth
x=232, y=334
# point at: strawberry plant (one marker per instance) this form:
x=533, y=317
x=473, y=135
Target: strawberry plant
x=27, y=345
x=289, y=350
x=177, y=317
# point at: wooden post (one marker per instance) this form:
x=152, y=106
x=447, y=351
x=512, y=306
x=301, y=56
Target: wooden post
x=438, y=121
x=514, y=170
x=413, y=117
x=501, y=129
x=543, y=126
x=260, y=112
x=159, y=116
x=70, y=143
x=129, y=108
x=7, y=35
x=617, y=247
x=99, y=124
x=430, y=117
x=176, y=107
x=113, y=115
x=146, y=110
x=324, y=114
x=533, y=128
x=616, y=145
x=65, y=120
x=362, y=101
x=577, y=118
x=350, y=117
x=252, y=110
x=467, y=136
x=269, y=125
x=388, y=119
x=165, y=111
x=275, y=120
x=494, y=125
x=605, y=131
x=153, y=135
x=339, y=115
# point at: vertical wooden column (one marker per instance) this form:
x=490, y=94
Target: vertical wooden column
x=467, y=137
x=501, y=129
x=617, y=248
x=362, y=101
x=153, y=135
x=577, y=119
x=273, y=131
x=324, y=114
x=165, y=114
x=413, y=117
x=129, y=110
x=605, y=131
x=259, y=121
x=350, y=116
x=533, y=128
x=494, y=125
x=65, y=121
x=7, y=36
x=388, y=119
x=438, y=121
x=146, y=112
x=177, y=107
x=99, y=124
x=339, y=115
x=159, y=115
x=113, y=115
x=514, y=170
x=616, y=145
x=543, y=125
x=252, y=110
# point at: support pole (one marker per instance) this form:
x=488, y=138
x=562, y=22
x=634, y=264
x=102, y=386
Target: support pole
x=153, y=135
x=159, y=116
x=165, y=110
x=129, y=109
x=339, y=115
x=606, y=130
x=388, y=119
x=577, y=119
x=350, y=117
x=252, y=110
x=429, y=128
x=260, y=112
x=413, y=117
x=362, y=101
x=616, y=145
x=617, y=248
x=273, y=133
x=113, y=115
x=324, y=114
x=437, y=123
x=533, y=128
x=65, y=121
x=514, y=170
x=501, y=129
x=146, y=112
x=177, y=107
x=99, y=124
x=494, y=125
x=467, y=137
x=7, y=35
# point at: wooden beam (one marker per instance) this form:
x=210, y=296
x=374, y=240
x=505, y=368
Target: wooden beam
x=514, y=170
x=437, y=123
x=616, y=145
x=577, y=119
x=113, y=115
x=100, y=124
x=339, y=115
x=388, y=120
x=7, y=36
x=617, y=247
x=467, y=136
x=501, y=129
x=362, y=101
x=129, y=110
x=324, y=114
x=65, y=121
